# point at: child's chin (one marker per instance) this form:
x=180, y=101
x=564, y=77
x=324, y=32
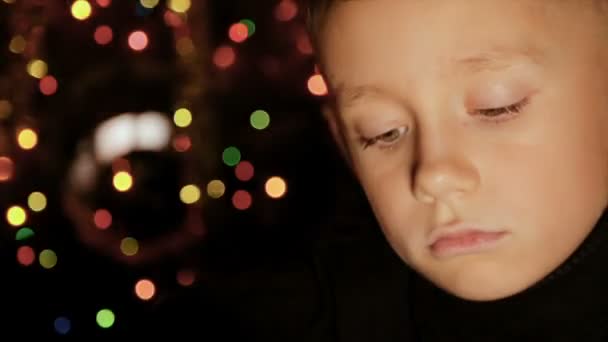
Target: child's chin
x=482, y=283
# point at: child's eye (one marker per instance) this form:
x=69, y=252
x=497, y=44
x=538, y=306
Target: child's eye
x=501, y=113
x=386, y=139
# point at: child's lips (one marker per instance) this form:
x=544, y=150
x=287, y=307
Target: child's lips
x=466, y=242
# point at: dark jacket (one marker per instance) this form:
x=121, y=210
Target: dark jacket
x=356, y=289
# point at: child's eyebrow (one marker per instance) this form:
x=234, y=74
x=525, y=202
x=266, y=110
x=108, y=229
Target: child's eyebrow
x=495, y=58
x=492, y=59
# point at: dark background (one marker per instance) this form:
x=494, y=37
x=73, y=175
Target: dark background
x=242, y=251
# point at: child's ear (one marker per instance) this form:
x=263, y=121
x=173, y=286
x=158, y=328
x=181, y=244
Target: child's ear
x=334, y=125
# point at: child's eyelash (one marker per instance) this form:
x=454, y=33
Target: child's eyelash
x=502, y=113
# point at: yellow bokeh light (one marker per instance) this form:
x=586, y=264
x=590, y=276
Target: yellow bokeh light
x=190, y=194
x=216, y=188
x=129, y=246
x=36, y=201
x=148, y=3
x=27, y=139
x=37, y=68
x=47, y=259
x=81, y=9
x=179, y=6
x=182, y=117
x=17, y=44
x=276, y=187
x=123, y=181
x=16, y=216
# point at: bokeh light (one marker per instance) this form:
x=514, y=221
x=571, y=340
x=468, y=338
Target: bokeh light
x=17, y=44
x=47, y=259
x=16, y=216
x=231, y=156
x=37, y=68
x=260, y=119
x=5, y=109
x=145, y=289
x=123, y=181
x=26, y=255
x=103, y=35
x=303, y=43
x=48, y=85
x=216, y=188
x=244, y=171
x=286, y=10
x=242, y=199
x=105, y=318
x=182, y=117
x=184, y=46
x=102, y=219
x=7, y=168
x=149, y=3
x=24, y=234
x=250, y=26
x=179, y=6
x=27, y=139
x=62, y=325
x=104, y=3
x=317, y=86
x=182, y=143
x=238, y=32
x=36, y=201
x=138, y=40
x=186, y=277
x=224, y=57
x=276, y=187
x=190, y=194
x=129, y=246
x=81, y=9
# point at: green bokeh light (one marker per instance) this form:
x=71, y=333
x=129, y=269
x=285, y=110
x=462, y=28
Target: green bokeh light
x=105, y=318
x=48, y=259
x=231, y=156
x=259, y=119
x=250, y=26
x=24, y=234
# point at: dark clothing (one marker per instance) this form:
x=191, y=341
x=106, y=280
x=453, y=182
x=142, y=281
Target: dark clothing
x=357, y=289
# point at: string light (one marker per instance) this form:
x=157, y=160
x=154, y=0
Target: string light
x=231, y=156
x=145, y=289
x=138, y=40
x=216, y=189
x=179, y=6
x=17, y=44
x=129, y=246
x=224, y=57
x=48, y=85
x=238, y=32
x=27, y=139
x=317, y=86
x=242, y=200
x=26, y=255
x=47, y=259
x=103, y=35
x=16, y=216
x=190, y=194
x=36, y=201
x=259, y=119
x=276, y=187
x=122, y=181
x=81, y=9
x=6, y=169
x=105, y=318
x=182, y=117
x=24, y=234
x=102, y=219
x=37, y=68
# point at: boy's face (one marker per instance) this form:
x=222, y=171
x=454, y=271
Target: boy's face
x=490, y=113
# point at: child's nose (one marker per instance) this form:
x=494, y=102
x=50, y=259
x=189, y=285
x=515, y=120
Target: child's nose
x=443, y=178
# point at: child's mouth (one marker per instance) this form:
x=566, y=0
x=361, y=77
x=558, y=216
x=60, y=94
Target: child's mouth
x=466, y=243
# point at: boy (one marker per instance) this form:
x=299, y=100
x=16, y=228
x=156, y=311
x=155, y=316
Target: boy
x=477, y=130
